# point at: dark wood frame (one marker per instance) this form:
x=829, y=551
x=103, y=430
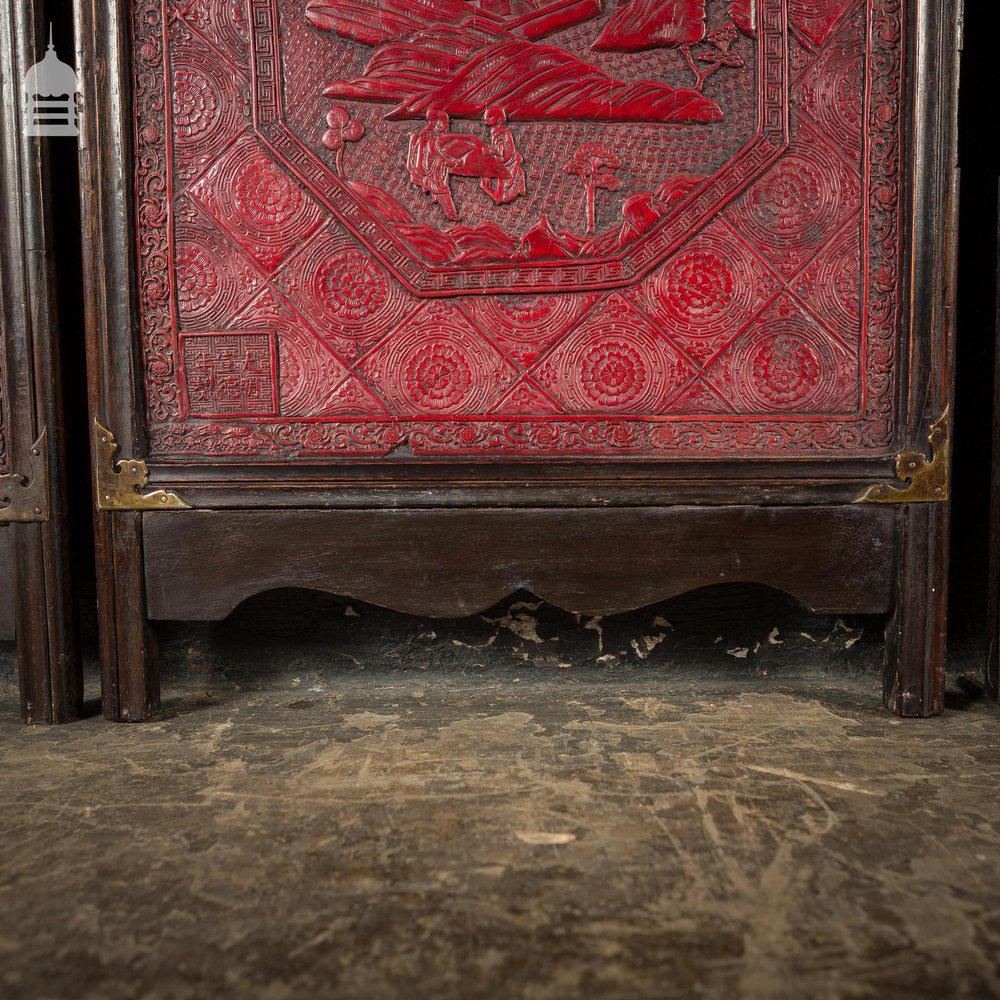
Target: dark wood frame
x=6, y=586
x=34, y=552
x=450, y=538
x=993, y=589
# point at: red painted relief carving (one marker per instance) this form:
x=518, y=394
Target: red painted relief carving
x=460, y=133
x=815, y=20
x=229, y=374
x=503, y=227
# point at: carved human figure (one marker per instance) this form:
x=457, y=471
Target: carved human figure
x=504, y=190
x=437, y=154
x=429, y=163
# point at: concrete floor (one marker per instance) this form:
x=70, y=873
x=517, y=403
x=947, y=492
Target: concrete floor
x=340, y=802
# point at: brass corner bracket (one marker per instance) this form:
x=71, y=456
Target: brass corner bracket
x=118, y=483
x=26, y=499
x=926, y=479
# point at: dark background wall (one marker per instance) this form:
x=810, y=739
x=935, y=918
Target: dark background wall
x=977, y=292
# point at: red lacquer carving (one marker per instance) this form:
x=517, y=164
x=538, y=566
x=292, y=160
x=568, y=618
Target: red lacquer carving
x=435, y=155
x=230, y=374
x=464, y=58
x=492, y=97
x=512, y=227
x=814, y=20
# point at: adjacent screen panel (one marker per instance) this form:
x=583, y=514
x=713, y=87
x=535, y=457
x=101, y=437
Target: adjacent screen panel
x=6, y=586
x=4, y=419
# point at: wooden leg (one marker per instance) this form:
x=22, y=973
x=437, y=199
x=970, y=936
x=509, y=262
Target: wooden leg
x=48, y=652
x=993, y=654
x=916, y=633
x=130, y=675
x=993, y=593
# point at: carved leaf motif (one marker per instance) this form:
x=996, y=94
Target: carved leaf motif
x=462, y=73
x=744, y=15
x=649, y=24
x=374, y=22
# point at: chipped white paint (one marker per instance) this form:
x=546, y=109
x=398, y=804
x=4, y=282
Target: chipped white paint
x=520, y=619
x=649, y=643
x=543, y=837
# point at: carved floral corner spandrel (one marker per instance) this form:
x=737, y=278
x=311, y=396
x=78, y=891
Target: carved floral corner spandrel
x=118, y=484
x=25, y=498
x=925, y=478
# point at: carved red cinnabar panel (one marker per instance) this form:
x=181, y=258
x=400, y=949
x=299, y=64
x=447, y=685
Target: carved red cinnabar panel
x=518, y=227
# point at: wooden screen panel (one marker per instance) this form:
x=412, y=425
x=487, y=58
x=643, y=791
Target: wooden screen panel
x=6, y=554
x=993, y=582
x=36, y=589
x=534, y=229
x=6, y=560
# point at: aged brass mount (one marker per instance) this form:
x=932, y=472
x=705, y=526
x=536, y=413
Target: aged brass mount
x=926, y=479
x=118, y=484
x=27, y=498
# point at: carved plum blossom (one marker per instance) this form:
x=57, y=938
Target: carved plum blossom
x=197, y=279
x=718, y=55
x=342, y=130
x=196, y=104
x=785, y=368
x=263, y=195
x=352, y=287
x=613, y=373
x=700, y=286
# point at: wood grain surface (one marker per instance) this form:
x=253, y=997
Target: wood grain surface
x=6, y=587
x=45, y=613
x=200, y=565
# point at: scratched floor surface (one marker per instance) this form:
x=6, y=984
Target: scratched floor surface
x=339, y=802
